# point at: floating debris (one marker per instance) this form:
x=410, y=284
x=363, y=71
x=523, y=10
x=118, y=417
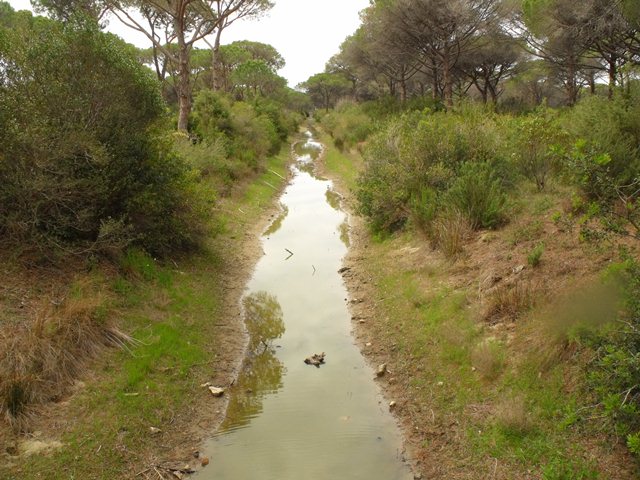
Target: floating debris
x=316, y=360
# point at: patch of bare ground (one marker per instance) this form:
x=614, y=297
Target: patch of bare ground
x=451, y=387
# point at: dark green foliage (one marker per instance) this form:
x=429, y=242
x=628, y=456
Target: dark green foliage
x=424, y=163
x=614, y=376
x=347, y=125
x=249, y=131
x=477, y=192
x=86, y=163
x=537, y=146
x=605, y=160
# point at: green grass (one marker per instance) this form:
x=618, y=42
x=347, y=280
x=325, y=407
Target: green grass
x=344, y=165
x=171, y=310
x=432, y=327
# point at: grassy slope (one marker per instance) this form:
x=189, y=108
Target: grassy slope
x=482, y=400
x=174, y=311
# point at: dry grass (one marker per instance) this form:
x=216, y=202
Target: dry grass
x=512, y=416
x=450, y=232
x=42, y=356
x=509, y=301
x=488, y=359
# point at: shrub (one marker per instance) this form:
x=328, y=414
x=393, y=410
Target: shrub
x=421, y=163
x=614, y=374
x=536, y=254
x=537, y=146
x=605, y=160
x=347, y=125
x=85, y=153
x=478, y=193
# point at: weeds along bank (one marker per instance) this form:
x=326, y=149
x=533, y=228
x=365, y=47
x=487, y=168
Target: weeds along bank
x=500, y=282
x=116, y=231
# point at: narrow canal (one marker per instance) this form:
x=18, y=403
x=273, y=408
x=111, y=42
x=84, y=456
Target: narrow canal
x=288, y=420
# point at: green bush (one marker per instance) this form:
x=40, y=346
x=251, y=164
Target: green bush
x=611, y=128
x=537, y=146
x=347, y=125
x=478, y=193
x=211, y=116
x=421, y=163
x=86, y=160
x=614, y=375
x=536, y=255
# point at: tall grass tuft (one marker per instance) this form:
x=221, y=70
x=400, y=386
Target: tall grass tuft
x=450, y=232
x=40, y=360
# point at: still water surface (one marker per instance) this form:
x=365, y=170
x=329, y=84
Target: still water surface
x=287, y=420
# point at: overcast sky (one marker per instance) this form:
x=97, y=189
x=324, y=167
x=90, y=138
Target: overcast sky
x=305, y=32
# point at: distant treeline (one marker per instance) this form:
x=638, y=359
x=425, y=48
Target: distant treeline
x=518, y=54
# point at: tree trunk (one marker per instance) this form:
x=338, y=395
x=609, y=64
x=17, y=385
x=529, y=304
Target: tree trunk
x=447, y=78
x=434, y=85
x=184, y=84
x=572, y=88
x=403, y=90
x=592, y=83
x=216, y=74
x=613, y=73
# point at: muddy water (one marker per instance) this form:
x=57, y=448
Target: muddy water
x=287, y=420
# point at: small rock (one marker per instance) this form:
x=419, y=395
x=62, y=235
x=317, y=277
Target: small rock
x=196, y=453
x=344, y=269
x=417, y=476
x=154, y=430
x=440, y=384
x=382, y=369
x=392, y=405
x=361, y=321
x=518, y=269
x=204, y=462
x=216, y=391
x=368, y=344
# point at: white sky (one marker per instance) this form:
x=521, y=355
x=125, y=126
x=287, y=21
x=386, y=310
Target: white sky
x=305, y=32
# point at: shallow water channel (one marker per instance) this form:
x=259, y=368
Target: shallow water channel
x=288, y=420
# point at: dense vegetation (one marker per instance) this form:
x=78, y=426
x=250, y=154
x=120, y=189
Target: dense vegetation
x=460, y=110
x=93, y=173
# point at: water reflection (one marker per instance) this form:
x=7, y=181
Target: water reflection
x=333, y=199
x=263, y=372
x=344, y=233
x=286, y=420
x=308, y=148
x=277, y=223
